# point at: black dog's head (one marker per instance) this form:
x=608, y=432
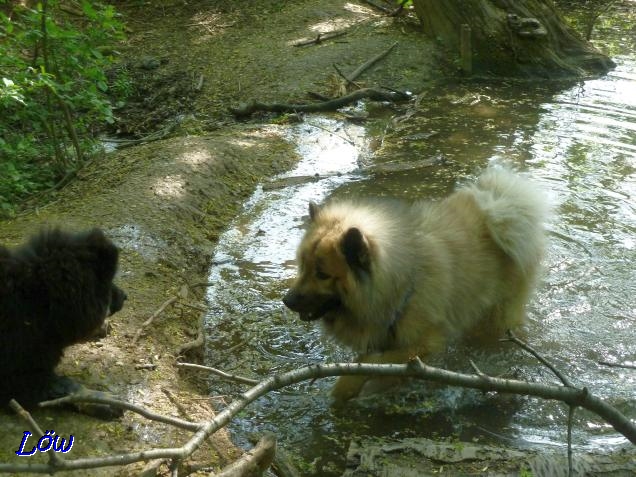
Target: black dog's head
x=117, y=298
x=69, y=279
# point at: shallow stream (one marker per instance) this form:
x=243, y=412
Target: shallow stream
x=578, y=141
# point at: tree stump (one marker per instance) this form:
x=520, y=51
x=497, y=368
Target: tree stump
x=521, y=38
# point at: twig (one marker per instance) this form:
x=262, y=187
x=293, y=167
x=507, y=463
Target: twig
x=194, y=307
x=218, y=372
x=570, y=420
x=142, y=411
x=478, y=372
x=175, y=402
x=533, y=352
x=378, y=6
x=617, y=365
x=320, y=38
x=248, y=109
x=281, y=466
x=564, y=380
x=205, y=284
x=198, y=342
x=332, y=133
x=174, y=468
x=344, y=77
x=365, y=66
x=154, y=136
x=149, y=321
x=54, y=459
x=253, y=462
x=150, y=366
x=399, y=9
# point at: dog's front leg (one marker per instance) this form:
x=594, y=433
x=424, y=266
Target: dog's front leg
x=348, y=387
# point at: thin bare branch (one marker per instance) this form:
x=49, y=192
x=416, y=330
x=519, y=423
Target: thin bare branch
x=253, y=462
x=54, y=459
x=142, y=411
x=536, y=354
x=350, y=82
x=478, y=372
x=320, y=38
x=218, y=372
x=570, y=420
x=617, y=365
x=368, y=64
x=149, y=321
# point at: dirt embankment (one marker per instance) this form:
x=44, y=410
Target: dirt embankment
x=165, y=202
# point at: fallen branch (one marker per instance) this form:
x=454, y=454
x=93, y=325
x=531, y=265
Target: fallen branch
x=117, y=403
x=320, y=38
x=417, y=369
x=617, y=365
x=154, y=136
x=253, y=462
x=382, y=8
x=414, y=369
x=365, y=66
x=349, y=82
x=54, y=459
x=181, y=294
x=196, y=343
x=566, y=382
x=218, y=372
x=248, y=109
x=149, y=321
x=512, y=338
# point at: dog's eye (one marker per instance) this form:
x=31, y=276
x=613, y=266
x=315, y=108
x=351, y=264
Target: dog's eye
x=320, y=275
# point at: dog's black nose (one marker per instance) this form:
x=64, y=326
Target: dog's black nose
x=117, y=299
x=291, y=300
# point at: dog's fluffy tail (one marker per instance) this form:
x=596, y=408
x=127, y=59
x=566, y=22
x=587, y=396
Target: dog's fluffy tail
x=515, y=210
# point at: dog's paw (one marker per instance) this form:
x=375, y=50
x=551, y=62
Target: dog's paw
x=347, y=387
x=61, y=386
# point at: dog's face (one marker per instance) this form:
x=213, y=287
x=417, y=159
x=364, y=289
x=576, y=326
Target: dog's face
x=76, y=270
x=117, y=299
x=330, y=261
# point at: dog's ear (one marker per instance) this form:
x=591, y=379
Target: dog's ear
x=105, y=253
x=314, y=209
x=355, y=248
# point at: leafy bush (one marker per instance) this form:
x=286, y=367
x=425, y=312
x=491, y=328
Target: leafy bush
x=52, y=91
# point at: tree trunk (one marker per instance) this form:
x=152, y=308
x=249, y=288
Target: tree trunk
x=512, y=37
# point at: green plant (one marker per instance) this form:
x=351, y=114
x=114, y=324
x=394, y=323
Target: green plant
x=122, y=85
x=52, y=91
x=524, y=472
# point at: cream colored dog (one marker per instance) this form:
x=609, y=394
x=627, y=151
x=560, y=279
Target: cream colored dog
x=394, y=280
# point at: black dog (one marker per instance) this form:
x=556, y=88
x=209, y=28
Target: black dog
x=56, y=290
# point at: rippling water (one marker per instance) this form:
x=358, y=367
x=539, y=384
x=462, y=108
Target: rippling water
x=578, y=141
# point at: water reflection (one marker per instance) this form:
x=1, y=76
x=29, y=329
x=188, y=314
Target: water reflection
x=580, y=144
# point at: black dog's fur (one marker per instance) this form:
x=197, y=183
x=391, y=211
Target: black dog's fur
x=55, y=290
